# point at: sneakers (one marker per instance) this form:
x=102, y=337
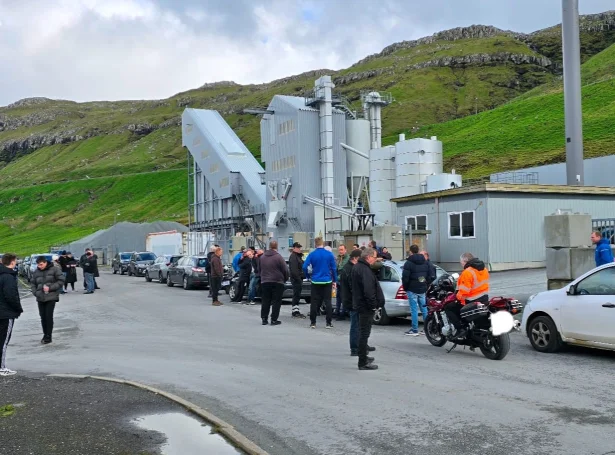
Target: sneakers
x=370, y=360
x=371, y=349
x=276, y=322
x=252, y=302
x=265, y=322
x=370, y=366
x=7, y=372
x=329, y=326
x=216, y=303
x=411, y=333
x=46, y=341
x=299, y=315
x=354, y=353
x=312, y=326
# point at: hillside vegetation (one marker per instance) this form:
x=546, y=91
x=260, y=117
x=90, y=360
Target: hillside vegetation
x=68, y=168
x=530, y=131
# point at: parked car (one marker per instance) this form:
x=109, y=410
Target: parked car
x=139, y=262
x=189, y=271
x=396, y=301
x=582, y=313
x=288, y=289
x=120, y=262
x=159, y=270
x=32, y=267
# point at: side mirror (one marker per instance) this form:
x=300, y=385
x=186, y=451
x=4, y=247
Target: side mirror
x=572, y=290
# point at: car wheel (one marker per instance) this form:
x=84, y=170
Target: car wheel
x=187, y=285
x=227, y=289
x=169, y=282
x=147, y=278
x=543, y=335
x=232, y=292
x=381, y=317
x=162, y=280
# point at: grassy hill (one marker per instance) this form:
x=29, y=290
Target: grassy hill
x=529, y=131
x=68, y=167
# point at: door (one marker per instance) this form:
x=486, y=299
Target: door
x=590, y=314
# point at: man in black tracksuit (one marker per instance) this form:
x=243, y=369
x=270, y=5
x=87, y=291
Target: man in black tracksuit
x=345, y=278
x=10, y=307
x=295, y=263
x=366, y=297
x=245, y=271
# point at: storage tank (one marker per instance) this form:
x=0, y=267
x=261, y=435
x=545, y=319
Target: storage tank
x=415, y=160
x=357, y=167
x=441, y=182
x=382, y=184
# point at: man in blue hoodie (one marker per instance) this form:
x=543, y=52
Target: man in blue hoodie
x=604, y=254
x=237, y=258
x=323, y=277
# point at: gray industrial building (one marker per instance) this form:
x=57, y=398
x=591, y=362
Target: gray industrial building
x=598, y=172
x=503, y=224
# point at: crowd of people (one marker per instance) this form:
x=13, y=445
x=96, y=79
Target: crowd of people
x=50, y=280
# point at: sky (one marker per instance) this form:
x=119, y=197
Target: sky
x=86, y=50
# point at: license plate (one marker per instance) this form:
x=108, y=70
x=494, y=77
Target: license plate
x=226, y=283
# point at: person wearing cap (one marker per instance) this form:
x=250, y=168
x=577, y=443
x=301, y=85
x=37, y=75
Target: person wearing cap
x=295, y=263
x=46, y=282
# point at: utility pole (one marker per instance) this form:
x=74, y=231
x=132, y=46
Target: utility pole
x=571, y=44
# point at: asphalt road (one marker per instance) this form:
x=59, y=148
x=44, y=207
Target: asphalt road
x=293, y=390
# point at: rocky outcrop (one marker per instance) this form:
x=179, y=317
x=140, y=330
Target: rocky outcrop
x=483, y=59
x=361, y=75
x=36, y=118
x=16, y=147
x=141, y=128
x=219, y=84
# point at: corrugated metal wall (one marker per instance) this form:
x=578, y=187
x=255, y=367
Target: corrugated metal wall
x=516, y=222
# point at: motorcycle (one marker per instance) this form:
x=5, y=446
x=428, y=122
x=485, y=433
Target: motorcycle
x=484, y=326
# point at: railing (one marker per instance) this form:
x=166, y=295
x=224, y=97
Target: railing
x=606, y=227
x=523, y=178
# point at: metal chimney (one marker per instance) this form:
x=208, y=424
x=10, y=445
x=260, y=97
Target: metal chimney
x=323, y=91
x=571, y=44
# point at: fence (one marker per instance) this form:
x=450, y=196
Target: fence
x=606, y=227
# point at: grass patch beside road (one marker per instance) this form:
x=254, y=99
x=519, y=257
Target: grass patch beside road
x=7, y=410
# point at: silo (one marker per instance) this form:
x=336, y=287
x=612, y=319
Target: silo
x=357, y=167
x=415, y=159
x=382, y=184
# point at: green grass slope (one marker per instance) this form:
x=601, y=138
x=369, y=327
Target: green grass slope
x=530, y=131
x=32, y=219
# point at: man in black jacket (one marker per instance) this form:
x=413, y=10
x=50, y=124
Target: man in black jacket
x=366, y=297
x=432, y=269
x=415, y=279
x=96, y=274
x=245, y=270
x=10, y=307
x=295, y=263
x=345, y=289
x=90, y=266
x=255, y=278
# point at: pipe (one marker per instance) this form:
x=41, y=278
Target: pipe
x=354, y=150
x=572, y=92
x=324, y=87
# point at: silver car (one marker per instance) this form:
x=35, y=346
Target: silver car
x=159, y=270
x=396, y=301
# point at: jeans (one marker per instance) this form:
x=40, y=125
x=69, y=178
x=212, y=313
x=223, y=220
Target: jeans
x=365, y=330
x=321, y=293
x=45, y=311
x=415, y=301
x=253, y=285
x=354, y=331
x=271, y=298
x=89, y=280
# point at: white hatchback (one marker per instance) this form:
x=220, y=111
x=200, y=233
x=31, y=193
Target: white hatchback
x=581, y=313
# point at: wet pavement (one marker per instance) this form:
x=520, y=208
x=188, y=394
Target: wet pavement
x=84, y=416
x=293, y=390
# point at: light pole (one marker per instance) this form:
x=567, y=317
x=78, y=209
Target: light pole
x=571, y=45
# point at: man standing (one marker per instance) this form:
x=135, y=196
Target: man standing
x=274, y=273
x=63, y=261
x=366, y=297
x=603, y=254
x=237, y=258
x=89, y=269
x=295, y=263
x=46, y=282
x=255, y=279
x=217, y=272
x=10, y=307
x=96, y=274
x=324, y=274
x=342, y=260
x=432, y=269
x=414, y=280
x=212, y=251
x=345, y=290
x=245, y=270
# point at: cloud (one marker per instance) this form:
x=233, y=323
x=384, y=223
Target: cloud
x=135, y=49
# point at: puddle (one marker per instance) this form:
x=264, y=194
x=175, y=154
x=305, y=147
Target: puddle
x=186, y=435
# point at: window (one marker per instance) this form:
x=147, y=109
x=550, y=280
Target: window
x=600, y=283
x=388, y=274
x=461, y=225
x=417, y=223
x=201, y=262
x=126, y=257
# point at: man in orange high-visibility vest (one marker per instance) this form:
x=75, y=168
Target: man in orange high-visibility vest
x=472, y=287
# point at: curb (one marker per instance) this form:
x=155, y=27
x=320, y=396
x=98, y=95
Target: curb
x=220, y=425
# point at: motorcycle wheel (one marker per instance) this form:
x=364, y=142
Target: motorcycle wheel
x=499, y=347
x=433, y=332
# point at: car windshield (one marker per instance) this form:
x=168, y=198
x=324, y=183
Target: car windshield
x=125, y=256
x=146, y=257
x=201, y=262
